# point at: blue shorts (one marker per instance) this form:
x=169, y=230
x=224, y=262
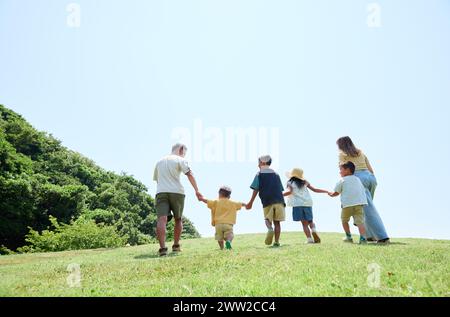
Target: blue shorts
x=302, y=214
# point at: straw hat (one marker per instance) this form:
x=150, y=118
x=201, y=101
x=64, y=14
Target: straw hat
x=296, y=172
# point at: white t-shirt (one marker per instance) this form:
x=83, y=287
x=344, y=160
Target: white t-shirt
x=167, y=174
x=352, y=192
x=300, y=197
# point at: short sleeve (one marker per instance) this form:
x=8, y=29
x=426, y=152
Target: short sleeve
x=255, y=184
x=280, y=183
x=211, y=204
x=338, y=187
x=155, y=174
x=342, y=158
x=184, y=166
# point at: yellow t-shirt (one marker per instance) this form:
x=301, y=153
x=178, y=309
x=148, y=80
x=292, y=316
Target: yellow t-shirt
x=223, y=211
x=361, y=162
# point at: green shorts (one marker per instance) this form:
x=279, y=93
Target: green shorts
x=170, y=204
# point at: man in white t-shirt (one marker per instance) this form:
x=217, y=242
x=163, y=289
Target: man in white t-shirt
x=170, y=194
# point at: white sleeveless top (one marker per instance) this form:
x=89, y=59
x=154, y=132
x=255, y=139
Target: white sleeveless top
x=300, y=197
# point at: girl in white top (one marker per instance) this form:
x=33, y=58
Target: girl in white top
x=301, y=202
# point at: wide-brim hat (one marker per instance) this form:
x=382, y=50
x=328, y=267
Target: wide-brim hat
x=296, y=172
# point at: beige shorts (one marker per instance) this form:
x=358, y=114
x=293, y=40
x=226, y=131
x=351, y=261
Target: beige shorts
x=223, y=230
x=357, y=212
x=275, y=212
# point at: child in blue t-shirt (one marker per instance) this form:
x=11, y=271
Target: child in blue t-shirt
x=268, y=184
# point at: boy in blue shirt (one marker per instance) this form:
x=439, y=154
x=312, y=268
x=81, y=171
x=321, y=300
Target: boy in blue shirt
x=268, y=184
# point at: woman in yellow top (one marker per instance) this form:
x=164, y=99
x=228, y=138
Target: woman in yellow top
x=364, y=171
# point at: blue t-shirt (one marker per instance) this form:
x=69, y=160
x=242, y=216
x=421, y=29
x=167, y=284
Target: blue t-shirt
x=270, y=187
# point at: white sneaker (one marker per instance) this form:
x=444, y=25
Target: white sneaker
x=347, y=240
x=309, y=241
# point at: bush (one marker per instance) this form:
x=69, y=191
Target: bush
x=5, y=251
x=78, y=235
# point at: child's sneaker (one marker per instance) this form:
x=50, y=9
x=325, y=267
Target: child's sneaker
x=347, y=239
x=362, y=240
x=228, y=245
x=269, y=237
x=309, y=241
x=276, y=245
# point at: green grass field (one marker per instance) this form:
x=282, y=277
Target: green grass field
x=409, y=267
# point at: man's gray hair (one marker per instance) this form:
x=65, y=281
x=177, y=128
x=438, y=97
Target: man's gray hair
x=177, y=147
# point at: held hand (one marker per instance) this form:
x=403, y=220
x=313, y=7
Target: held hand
x=199, y=196
x=249, y=206
x=330, y=194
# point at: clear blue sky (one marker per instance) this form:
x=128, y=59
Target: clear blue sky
x=115, y=89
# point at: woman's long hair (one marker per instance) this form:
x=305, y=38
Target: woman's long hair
x=345, y=144
x=299, y=182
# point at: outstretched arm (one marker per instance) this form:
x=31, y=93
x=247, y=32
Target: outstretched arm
x=333, y=194
x=370, y=168
x=252, y=200
x=193, y=182
x=317, y=190
x=288, y=192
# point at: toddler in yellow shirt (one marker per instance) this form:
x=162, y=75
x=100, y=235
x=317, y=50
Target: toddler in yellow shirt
x=223, y=216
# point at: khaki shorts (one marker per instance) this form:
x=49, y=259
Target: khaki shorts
x=223, y=230
x=275, y=212
x=168, y=204
x=357, y=212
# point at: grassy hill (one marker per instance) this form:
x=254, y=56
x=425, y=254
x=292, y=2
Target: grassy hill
x=409, y=267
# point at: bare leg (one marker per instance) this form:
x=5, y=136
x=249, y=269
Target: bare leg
x=277, y=231
x=306, y=230
x=178, y=230
x=270, y=233
x=220, y=244
x=161, y=231
x=230, y=237
x=346, y=228
x=362, y=230
x=269, y=224
x=312, y=225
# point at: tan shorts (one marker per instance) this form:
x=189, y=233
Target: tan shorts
x=357, y=212
x=223, y=230
x=275, y=212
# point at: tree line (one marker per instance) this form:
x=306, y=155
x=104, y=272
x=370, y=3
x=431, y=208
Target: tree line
x=54, y=199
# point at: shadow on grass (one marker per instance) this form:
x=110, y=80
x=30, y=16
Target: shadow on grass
x=282, y=246
x=385, y=245
x=155, y=256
